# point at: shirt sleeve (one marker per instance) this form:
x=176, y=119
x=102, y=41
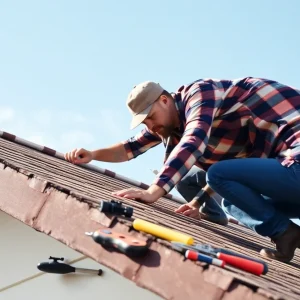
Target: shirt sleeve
x=203, y=101
x=140, y=143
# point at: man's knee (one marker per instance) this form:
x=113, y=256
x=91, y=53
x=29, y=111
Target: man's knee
x=182, y=185
x=191, y=183
x=214, y=174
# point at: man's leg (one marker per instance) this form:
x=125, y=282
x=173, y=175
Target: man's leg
x=242, y=182
x=291, y=211
x=190, y=186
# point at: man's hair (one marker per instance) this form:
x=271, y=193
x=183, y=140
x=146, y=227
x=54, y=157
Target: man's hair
x=166, y=93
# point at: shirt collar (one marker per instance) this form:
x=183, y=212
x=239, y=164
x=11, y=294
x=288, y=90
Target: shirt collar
x=180, y=109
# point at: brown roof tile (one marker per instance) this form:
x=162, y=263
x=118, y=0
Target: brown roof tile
x=58, y=198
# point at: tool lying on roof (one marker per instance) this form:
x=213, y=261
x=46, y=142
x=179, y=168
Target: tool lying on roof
x=115, y=208
x=62, y=268
x=193, y=255
x=126, y=244
x=162, y=232
x=209, y=249
x=244, y=263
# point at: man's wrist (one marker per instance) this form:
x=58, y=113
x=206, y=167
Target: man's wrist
x=93, y=154
x=201, y=197
x=156, y=191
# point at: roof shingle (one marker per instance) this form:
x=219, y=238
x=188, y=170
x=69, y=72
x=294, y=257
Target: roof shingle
x=60, y=199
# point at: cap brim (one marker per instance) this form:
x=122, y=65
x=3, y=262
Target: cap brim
x=139, y=118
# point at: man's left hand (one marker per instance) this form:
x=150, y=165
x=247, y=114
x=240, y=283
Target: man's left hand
x=151, y=195
x=190, y=209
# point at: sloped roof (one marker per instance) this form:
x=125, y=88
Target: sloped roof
x=60, y=200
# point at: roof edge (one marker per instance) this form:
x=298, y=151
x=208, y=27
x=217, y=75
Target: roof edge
x=13, y=138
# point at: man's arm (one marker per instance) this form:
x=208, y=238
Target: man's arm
x=115, y=153
x=119, y=152
x=128, y=149
x=203, y=102
x=140, y=143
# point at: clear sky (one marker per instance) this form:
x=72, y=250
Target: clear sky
x=66, y=67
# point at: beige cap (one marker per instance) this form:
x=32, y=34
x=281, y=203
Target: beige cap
x=141, y=99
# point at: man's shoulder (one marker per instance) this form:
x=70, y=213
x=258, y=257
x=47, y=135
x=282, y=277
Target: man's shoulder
x=205, y=84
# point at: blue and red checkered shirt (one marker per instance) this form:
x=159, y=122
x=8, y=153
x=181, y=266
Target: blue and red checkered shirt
x=226, y=119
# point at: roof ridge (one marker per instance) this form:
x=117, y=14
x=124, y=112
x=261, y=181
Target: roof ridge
x=13, y=138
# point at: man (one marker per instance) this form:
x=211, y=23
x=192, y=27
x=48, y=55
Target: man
x=244, y=133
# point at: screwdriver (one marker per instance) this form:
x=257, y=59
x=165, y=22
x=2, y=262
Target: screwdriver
x=62, y=268
x=241, y=263
x=219, y=252
x=208, y=249
x=193, y=255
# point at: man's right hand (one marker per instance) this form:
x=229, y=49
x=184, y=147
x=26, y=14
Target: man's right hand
x=79, y=156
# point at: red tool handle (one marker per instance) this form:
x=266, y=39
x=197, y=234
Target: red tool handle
x=242, y=263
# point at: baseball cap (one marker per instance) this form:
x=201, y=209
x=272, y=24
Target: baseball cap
x=141, y=99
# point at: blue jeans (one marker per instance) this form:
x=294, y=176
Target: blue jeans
x=191, y=184
x=259, y=192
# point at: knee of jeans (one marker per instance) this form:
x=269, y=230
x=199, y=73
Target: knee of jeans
x=182, y=185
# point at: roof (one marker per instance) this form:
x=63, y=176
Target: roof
x=60, y=199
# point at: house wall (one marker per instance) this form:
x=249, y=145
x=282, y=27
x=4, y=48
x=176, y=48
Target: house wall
x=22, y=248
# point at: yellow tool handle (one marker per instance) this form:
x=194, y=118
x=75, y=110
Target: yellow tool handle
x=162, y=232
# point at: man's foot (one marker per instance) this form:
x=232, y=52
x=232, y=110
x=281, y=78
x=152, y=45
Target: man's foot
x=286, y=244
x=215, y=219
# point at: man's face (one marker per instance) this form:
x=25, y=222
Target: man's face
x=159, y=120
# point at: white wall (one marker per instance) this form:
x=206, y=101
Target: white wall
x=22, y=248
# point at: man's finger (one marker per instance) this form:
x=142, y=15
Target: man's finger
x=122, y=193
x=190, y=212
x=193, y=214
x=182, y=208
x=132, y=195
x=73, y=155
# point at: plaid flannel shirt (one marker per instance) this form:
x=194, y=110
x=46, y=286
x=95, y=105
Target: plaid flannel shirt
x=226, y=119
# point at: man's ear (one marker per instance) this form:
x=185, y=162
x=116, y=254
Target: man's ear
x=164, y=99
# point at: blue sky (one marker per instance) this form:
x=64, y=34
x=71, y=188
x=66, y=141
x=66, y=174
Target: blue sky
x=66, y=67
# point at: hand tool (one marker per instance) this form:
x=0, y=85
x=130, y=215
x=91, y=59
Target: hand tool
x=250, y=266
x=162, y=232
x=126, y=244
x=115, y=208
x=62, y=268
x=193, y=255
x=208, y=249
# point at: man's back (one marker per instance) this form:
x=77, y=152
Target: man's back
x=249, y=117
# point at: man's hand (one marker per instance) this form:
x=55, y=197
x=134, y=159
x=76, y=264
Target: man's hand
x=151, y=195
x=79, y=156
x=190, y=209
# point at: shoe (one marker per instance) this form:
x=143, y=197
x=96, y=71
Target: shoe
x=211, y=218
x=211, y=211
x=286, y=244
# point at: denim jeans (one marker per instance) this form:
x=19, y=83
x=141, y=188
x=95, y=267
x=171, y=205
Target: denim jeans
x=190, y=186
x=259, y=192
